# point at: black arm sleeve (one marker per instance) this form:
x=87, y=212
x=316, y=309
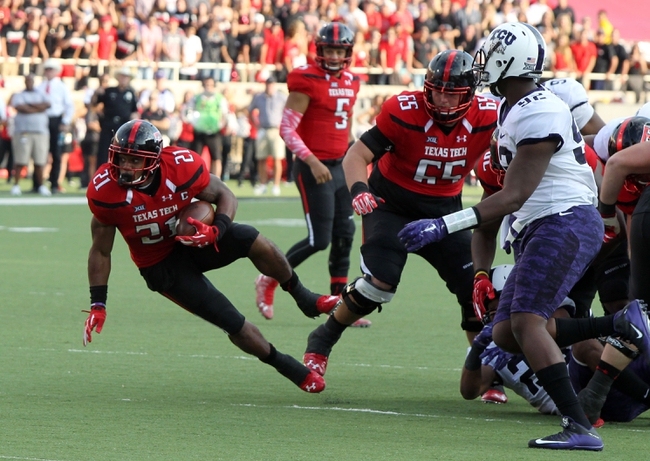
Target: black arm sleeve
x=376, y=142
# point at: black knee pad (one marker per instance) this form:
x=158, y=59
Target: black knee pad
x=367, y=296
x=339, y=260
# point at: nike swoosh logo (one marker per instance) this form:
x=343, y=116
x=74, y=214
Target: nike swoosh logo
x=646, y=393
x=638, y=332
x=565, y=213
x=546, y=442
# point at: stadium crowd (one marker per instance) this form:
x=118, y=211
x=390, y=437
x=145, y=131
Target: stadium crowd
x=252, y=40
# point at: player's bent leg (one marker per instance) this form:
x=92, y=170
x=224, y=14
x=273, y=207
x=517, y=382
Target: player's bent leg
x=250, y=340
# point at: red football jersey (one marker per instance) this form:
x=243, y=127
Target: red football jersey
x=486, y=175
x=424, y=159
x=325, y=126
x=148, y=224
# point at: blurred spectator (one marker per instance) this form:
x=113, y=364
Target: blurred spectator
x=311, y=17
x=355, y=18
x=90, y=144
x=215, y=50
x=34, y=46
x=606, y=62
x=547, y=25
x=228, y=132
x=155, y=114
x=151, y=36
x=391, y=52
x=71, y=45
x=288, y=14
x=191, y=54
x=89, y=50
x=209, y=114
x=30, y=139
x=507, y=13
x=7, y=114
x=536, y=12
x=445, y=15
x=252, y=46
x=185, y=112
x=59, y=113
x=107, y=39
x=272, y=48
x=425, y=19
x=623, y=66
x=294, y=52
x=374, y=56
x=564, y=61
x=248, y=133
x=605, y=25
x=424, y=51
x=118, y=104
x=468, y=40
x=564, y=8
x=373, y=17
x=472, y=13
x=584, y=53
x=166, y=98
x=360, y=56
x=172, y=44
x=564, y=25
x=13, y=42
x=269, y=105
x=366, y=118
x=638, y=70
x=128, y=44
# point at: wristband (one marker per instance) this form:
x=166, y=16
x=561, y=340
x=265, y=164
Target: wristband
x=469, y=218
x=606, y=210
x=98, y=294
x=481, y=271
x=359, y=187
x=473, y=359
x=222, y=223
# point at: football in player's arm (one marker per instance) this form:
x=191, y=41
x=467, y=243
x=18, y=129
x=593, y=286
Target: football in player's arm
x=140, y=192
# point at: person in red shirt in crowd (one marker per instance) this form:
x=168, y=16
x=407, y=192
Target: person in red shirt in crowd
x=585, y=54
x=374, y=18
x=319, y=107
x=391, y=56
x=272, y=48
x=107, y=39
x=403, y=16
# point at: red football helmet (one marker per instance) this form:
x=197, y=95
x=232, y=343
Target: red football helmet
x=451, y=73
x=629, y=132
x=137, y=138
x=334, y=35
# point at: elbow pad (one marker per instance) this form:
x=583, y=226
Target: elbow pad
x=290, y=121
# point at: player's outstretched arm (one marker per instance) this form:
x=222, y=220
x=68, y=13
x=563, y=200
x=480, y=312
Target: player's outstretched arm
x=218, y=193
x=99, y=269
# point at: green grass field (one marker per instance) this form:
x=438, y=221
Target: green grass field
x=160, y=384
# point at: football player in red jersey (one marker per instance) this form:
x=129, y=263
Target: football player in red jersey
x=424, y=144
x=140, y=192
x=316, y=127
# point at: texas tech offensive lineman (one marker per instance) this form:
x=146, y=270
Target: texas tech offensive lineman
x=425, y=143
x=316, y=127
x=140, y=192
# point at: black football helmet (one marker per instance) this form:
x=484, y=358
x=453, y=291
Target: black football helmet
x=450, y=72
x=137, y=138
x=334, y=35
x=629, y=132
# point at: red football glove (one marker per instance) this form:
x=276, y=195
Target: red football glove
x=95, y=319
x=365, y=203
x=482, y=289
x=612, y=227
x=205, y=235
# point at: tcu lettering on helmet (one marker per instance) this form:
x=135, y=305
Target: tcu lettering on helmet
x=134, y=153
x=450, y=73
x=334, y=35
x=513, y=49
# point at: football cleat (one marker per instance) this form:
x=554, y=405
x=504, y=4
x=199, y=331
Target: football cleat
x=573, y=437
x=265, y=292
x=315, y=362
x=313, y=383
x=495, y=394
x=599, y=423
x=632, y=323
x=327, y=303
x=361, y=323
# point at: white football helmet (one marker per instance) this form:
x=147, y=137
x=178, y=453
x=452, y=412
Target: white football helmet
x=499, y=275
x=514, y=49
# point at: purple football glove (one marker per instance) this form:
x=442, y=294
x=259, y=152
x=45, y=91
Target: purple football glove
x=422, y=232
x=499, y=357
x=484, y=338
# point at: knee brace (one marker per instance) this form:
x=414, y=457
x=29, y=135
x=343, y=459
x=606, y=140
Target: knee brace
x=367, y=296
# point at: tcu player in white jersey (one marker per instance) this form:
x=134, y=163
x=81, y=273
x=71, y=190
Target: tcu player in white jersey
x=556, y=232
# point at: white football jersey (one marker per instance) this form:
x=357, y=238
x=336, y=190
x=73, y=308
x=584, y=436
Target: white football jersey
x=568, y=180
x=575, y=96
x=518, y=376
x=601, y=140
